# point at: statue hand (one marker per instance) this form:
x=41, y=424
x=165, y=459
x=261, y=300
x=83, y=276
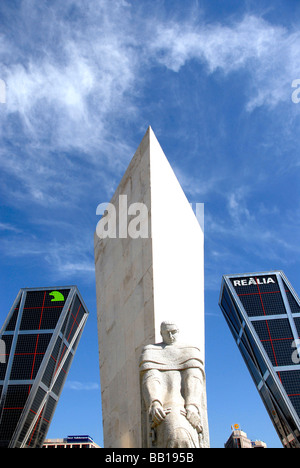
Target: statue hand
x=157, y=413
x=193, y=417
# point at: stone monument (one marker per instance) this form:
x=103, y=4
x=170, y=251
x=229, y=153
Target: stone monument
x=174, y=410
x=149, y=266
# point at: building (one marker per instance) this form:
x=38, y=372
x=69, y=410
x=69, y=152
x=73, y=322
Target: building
x=262, y=311
x=258, y=444
x=40, y=335
x=239, y=439
x=79, y=441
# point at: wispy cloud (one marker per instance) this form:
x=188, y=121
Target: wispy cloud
x=62, y=257
x=81, y=386
x=248, y=227
x=9, y=227
x=197, y=187
x=268, y=52
x=66, y=90
x=82, y=74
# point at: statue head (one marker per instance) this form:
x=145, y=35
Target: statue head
x=169, y=332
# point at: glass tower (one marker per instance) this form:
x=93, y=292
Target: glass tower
x=38, y=342
x=262, y=311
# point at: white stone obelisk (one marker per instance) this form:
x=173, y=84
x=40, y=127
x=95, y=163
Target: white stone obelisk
x=142, y=281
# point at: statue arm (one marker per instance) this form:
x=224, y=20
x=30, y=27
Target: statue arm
x=193, y=383
x=152, y=393
x=193, y=388
x=151, y=386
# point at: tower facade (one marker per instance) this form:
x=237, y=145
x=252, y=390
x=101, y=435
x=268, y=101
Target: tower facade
x=39, y=339
x=262, y=311
x=149, y=268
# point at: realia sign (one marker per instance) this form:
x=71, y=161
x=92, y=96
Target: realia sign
x=253, y=281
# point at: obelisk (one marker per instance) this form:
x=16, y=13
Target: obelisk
x=151, y=272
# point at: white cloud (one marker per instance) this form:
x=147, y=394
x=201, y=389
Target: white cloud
x=65, y=91
x=245, y=224
x=268, y=52
x=238, y=211
x=88, y=71
x=70, y=101
x=196, y=186
x=79, y=386
x=220, y=46
x=68, y=79
x=68, y=258
x=9, y=227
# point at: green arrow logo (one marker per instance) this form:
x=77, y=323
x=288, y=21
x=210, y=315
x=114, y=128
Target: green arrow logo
x=57, y=296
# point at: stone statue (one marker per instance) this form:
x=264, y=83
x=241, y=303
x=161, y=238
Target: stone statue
x=173, y=393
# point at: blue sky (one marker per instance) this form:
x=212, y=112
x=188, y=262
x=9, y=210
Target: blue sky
x=213, y=78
